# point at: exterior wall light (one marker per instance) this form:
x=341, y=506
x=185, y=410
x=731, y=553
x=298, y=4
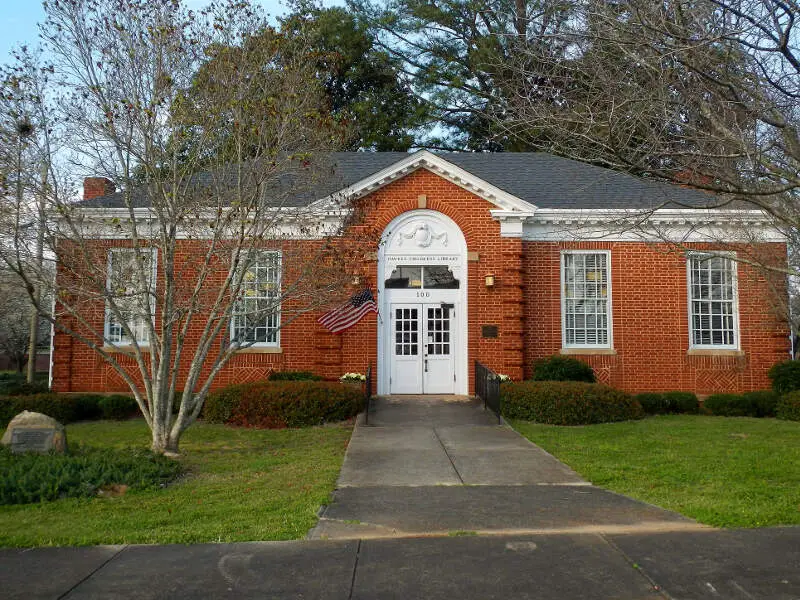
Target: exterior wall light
x=490, y=280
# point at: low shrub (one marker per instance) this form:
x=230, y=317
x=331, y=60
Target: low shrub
x=118, y=407
x=219, y=405
x=567, y=403
x=729, y=405
x=64, y=409
x=666, y=403
x=293, y=376
x=68, y=408
x=278, y=404
x=653, y=403
x=682, y=403
x=27, y=478
x=20, y=387
x=562, y=368
x=785, y=376
x=87, y=407
x=765, y=402
x=788, y=407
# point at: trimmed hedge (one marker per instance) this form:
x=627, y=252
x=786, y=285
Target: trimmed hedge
x=682, y=403
x=279, y=404
x=118, y=407
x=653, y=403
x=567, y=403
x=64, y=409
x=20, y=387
x=729, y=405
x=785, y=376
x=27, y=478
x=668, y=403
x=764, y=402
x=293, y=376
x=562, y=368
x=68, y=408
x=789, y=407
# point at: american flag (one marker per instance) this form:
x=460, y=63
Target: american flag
x=349, y=313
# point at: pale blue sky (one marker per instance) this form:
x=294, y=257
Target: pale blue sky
x=19, y=18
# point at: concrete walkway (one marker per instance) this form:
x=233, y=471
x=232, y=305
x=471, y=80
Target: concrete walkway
x=427, y=466
x=709, y=564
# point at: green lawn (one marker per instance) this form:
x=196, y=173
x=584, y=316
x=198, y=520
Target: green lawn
x=726, y=472
x=242, y=484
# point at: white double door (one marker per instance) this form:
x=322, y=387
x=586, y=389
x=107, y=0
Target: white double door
x=422, y=350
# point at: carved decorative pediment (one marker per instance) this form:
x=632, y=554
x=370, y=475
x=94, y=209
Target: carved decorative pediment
x=422, y=235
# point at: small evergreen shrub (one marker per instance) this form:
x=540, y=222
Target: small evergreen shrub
x=63, y=408
x=653, y=403
x=682, y=403
x=28, y=478
x=219, y=405
x=562, y=368
x=69, y=408
x=118, y=407
x=87, y=407
x=279, y=404
x=764, y=402
x=785, y=376
x=788, y=407
x=729, y=405
x=567, y=403
x=20, y=387
x=293, y=376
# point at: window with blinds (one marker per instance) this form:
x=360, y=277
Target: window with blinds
x=713, y=318
x=586, y=299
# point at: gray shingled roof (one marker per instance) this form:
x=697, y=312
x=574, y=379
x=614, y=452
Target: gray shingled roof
x=544, y=180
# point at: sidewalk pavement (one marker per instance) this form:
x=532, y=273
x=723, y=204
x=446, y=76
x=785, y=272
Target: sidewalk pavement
x=707, y=564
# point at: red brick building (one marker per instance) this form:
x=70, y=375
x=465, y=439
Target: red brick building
x=506, y=258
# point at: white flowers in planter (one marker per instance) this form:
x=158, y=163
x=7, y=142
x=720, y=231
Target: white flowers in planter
x=352, y=378
x=503, y=378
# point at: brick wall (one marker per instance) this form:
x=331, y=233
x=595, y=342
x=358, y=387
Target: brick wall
x=649, y=303
x=651, y=321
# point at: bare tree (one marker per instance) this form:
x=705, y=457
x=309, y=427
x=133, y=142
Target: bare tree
x=16, y=306
x=162, y=278
x=700, y=92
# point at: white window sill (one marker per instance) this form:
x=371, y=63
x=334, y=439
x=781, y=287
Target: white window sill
x=260, y=350
x=588, y=351
x=125, y=348
x=714, y=352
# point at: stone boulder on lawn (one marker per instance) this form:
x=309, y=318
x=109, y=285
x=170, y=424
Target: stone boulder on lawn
x=35, y=432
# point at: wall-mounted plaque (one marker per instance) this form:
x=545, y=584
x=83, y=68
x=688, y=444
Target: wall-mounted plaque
x=489, y=331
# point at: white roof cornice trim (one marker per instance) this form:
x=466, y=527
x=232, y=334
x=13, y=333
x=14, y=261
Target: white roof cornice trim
x=689, y=224
x=437, y=165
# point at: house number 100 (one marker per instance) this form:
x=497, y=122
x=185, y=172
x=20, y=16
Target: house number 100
x=423, y=294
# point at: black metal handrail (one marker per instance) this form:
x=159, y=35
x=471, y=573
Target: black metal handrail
x=367, y=394
x=487, y=388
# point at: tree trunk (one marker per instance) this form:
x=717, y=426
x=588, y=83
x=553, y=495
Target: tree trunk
x=165, y=435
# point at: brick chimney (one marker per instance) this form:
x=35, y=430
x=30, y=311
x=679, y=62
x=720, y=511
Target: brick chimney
x=94, y=187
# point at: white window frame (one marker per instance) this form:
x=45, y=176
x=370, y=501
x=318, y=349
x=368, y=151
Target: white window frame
x=277, y=343
x=563, y=294
x=731, y=256
x=108, y=312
